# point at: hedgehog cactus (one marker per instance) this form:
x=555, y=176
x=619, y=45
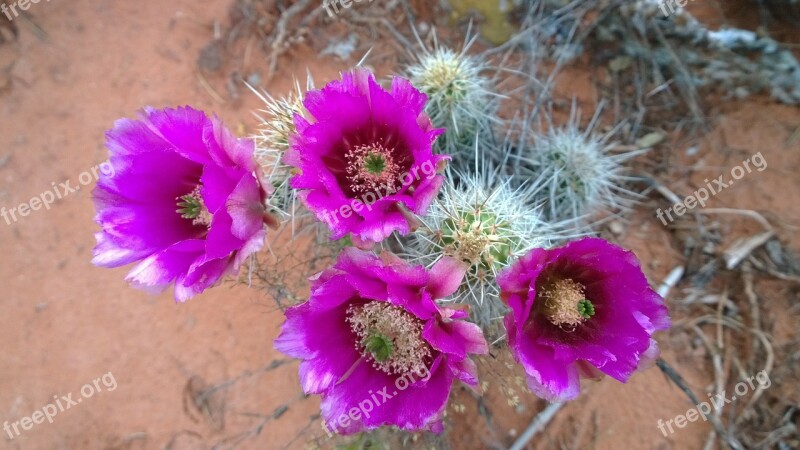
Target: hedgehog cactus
x=484, y=223
x=278, y=125
x=460, y=98
x=580, y=174
x=478, y=236
x=276, y=122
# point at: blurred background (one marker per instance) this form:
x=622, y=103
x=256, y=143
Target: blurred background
x=204, y=374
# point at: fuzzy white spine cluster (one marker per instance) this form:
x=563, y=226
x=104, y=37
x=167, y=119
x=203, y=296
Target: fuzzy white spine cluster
x=581, y=174
x=486, y=223
x=461, y=98
x=276, y=126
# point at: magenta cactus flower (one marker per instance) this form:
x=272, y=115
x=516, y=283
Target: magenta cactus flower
x=377, y=347
x=365, y=160
x=185, y=201
x=584, y=309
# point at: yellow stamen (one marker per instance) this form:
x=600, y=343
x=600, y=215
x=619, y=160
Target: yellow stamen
x=389, y=336
x=561, y=300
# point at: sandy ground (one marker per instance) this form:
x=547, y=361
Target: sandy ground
x=65, y=323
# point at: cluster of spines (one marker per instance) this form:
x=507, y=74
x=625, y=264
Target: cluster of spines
x=276, y=127
x=461, y=99
x=485, y=223
x=580, y=173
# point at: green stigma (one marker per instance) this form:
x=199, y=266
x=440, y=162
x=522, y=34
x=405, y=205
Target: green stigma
x=375, y=163
x=585, y=308
x=190, y=206
x=379, y=346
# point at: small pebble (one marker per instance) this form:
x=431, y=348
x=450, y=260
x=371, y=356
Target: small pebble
x=616, y=227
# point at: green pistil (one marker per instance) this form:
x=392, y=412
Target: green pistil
x=379, y=346
x=375, y=164
x=585, y=308
x=190, y=206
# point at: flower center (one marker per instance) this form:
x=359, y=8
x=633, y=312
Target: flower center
x=565, y=303
x=370, y=167
x=191, y=206
x=390, y=337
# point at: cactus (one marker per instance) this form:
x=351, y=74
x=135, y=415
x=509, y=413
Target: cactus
x=460, y=99
x=580, y=175
x=276, y=126
x=486, y=223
